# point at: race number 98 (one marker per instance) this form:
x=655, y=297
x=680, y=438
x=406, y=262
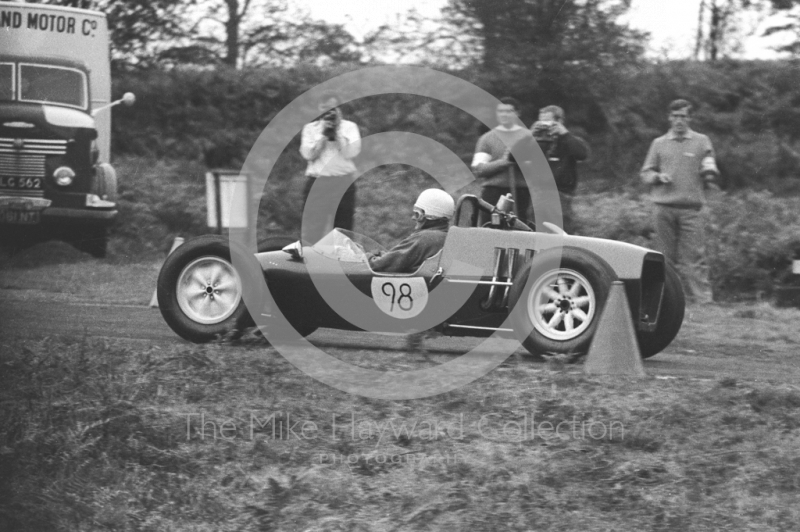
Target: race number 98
x=402, y=297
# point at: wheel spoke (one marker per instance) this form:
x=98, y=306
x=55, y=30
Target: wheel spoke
x=581, y=315
x=552, y=294
x=555, y=321
x=226, y=285
x=548, y=308
x=582, y=301
x=568, y=323
x=563, y=288
x=197, y=279
x=575, y=290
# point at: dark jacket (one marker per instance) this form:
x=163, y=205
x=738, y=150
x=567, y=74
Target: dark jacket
x=411, y=252
x=563, y=154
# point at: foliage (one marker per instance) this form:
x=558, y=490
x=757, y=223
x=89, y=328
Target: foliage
x=104, y=434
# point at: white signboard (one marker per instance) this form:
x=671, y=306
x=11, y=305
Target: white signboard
x=232, y=199
x=400, y=297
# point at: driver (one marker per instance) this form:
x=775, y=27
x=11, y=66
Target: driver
x=433, y=210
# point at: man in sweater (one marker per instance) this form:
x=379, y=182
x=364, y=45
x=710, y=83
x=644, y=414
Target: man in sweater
x=679, y=167
x=329, y=144
x=491, y=162
x=563, y=151
x=432, y=211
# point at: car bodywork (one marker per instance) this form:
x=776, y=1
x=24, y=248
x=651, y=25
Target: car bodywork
x=484, y=259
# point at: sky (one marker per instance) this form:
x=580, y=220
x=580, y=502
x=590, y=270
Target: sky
x=671, y=23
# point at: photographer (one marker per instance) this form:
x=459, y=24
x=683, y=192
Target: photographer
x=563, y=151
x=329, y=144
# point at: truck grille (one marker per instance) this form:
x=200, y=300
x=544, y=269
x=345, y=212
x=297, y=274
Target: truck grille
x=27, y=162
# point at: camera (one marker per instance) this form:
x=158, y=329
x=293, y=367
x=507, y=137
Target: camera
x=329, y=121
x=542, y=130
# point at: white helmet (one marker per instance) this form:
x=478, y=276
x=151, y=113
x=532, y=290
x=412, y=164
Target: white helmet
x=436, y=203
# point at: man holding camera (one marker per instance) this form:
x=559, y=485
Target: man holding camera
x=329, y=144
x=563, y=151
x=492, y=161
x=679, y=167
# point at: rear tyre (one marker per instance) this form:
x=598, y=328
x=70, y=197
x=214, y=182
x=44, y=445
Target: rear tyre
x=558, y=310
x=670, y=319
x=200, y=292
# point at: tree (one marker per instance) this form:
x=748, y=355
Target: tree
x=256, y=32
x=720, y=27
x=790, y=9
x=550, y=50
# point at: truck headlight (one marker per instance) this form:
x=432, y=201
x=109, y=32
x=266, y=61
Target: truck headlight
x=64, y=176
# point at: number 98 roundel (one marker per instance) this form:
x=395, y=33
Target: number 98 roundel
x=400, y=297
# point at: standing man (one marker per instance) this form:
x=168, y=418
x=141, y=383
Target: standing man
x=329, y=144
x=563, y=151
x=491, y=162
x=679, y=167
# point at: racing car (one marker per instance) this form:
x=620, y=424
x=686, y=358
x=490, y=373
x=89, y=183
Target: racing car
x=545, y=288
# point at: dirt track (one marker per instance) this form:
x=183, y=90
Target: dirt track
x=26, y=314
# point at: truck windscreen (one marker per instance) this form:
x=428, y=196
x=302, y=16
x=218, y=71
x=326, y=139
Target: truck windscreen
x=6, y=81
x=53, y=85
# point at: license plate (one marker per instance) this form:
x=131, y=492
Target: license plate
x=20, y=217
x=20, y=183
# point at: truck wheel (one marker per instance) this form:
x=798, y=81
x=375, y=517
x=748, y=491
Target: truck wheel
x=670, y=319
x=104, y=183
x=558, y=310
x=200, y=292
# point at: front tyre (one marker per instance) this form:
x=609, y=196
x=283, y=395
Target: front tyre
x=558, y=309
x=670, y=319
x=200, y=292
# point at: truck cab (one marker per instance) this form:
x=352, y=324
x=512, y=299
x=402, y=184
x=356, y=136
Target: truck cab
x=55, y=178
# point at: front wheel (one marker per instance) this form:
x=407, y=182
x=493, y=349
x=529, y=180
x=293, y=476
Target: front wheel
x=200, y=292
x=558, y=309
x=673, y=306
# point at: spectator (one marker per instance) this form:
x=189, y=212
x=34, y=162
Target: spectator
x=432, y=211
x=563, y=151
x=679, y=166
x=329, y=144
x=491, y=162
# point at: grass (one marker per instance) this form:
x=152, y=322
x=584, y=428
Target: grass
x=107, y=435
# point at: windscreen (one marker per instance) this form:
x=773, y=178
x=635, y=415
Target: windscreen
x=6, y=81
x=55, y=85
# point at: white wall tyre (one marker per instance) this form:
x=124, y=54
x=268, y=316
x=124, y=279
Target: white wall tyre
x=558, y=310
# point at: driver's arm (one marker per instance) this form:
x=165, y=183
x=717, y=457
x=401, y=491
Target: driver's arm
x=400, y=259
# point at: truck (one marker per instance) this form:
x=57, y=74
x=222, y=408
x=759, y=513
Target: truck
x=56, y=180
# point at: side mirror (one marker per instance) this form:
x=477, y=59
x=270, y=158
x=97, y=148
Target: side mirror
x=128, y=98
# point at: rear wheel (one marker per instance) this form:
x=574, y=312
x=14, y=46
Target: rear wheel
x=670, y=319
x=558, y=310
